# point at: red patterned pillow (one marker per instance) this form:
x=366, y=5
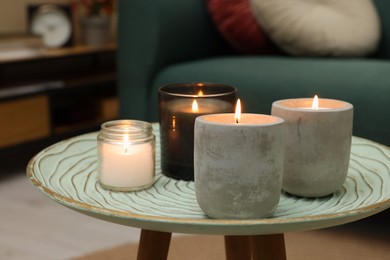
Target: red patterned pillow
x=236, y=23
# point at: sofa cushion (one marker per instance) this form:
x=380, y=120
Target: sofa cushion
x=320, y=27
x=236, y=23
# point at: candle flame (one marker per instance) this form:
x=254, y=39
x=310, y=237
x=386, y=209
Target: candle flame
x=237, y=115
x=315, y=102
x=200, y=93
x=126, y=142
x=195, y=107
x=174, y=123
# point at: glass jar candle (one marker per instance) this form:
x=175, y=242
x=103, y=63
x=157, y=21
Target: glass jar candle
x=180, y=104
x=126, y=155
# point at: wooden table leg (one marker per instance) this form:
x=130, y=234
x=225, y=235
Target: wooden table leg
x=153, y=245
x=268, y=247
x=237, y=248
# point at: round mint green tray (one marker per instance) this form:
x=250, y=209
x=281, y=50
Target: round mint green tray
x=66, y=172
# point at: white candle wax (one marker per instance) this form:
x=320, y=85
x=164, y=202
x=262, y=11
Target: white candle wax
x=315, y=104
x=308, y=103
x=126, y=166
x=314, y=109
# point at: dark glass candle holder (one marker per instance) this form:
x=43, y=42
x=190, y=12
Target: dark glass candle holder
x=180, y=104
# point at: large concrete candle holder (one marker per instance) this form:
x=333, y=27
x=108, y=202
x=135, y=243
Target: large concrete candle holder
x=318, y=144
x=180, y=104
x=238, y=166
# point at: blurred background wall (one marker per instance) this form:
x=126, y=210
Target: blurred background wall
x=13, y=14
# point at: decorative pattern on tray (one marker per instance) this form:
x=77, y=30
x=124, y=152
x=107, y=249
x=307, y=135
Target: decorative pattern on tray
x=67, y=172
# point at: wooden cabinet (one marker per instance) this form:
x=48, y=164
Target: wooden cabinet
x=56, y=92
x=24, y=120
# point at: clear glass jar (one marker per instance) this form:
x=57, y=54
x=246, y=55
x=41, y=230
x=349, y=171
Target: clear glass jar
x=126, y=155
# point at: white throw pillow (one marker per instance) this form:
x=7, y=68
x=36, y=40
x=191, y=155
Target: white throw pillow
x=348, y=28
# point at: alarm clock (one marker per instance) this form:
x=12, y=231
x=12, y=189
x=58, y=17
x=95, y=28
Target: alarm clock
x=53, y=22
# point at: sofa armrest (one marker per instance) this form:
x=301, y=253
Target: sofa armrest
x=383, y=8
x=153, y=34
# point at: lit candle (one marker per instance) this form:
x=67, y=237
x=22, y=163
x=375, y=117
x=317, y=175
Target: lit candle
x=126, y=155
x=238, y=161
x=315, y=105
x=180, y=104
x=318, y=143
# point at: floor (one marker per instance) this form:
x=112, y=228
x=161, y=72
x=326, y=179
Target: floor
x=34, y=227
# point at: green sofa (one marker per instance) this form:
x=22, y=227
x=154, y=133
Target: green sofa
x=175, y=41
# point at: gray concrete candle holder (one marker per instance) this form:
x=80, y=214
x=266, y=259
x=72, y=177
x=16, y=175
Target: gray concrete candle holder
x=318, y=145
x=238, y=167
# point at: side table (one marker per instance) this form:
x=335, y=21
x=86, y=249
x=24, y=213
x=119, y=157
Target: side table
x=66, y=172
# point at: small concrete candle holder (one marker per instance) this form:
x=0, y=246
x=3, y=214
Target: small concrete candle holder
x=318, y=145
x=180, y=104
x=126, y=155
x=238, y=166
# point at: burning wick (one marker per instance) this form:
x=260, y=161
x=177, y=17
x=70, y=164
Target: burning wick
x=195, y=107
x=126, y=142
x=315, y=102
x=237, y=115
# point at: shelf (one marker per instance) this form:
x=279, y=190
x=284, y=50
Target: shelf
x=24, y=120
x=99, y=110
x=36, y=54
x=78, y=84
